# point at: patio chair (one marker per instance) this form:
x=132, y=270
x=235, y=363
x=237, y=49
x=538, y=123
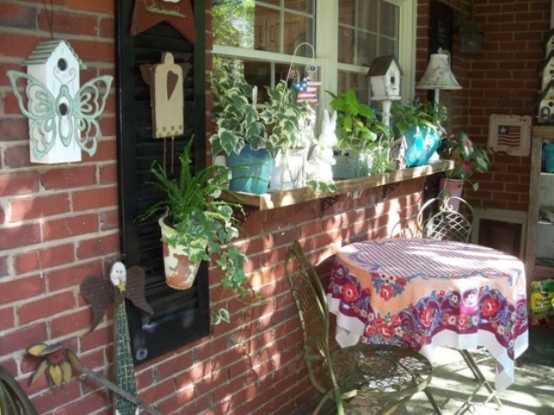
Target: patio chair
x=377, y=378
x=438, y=219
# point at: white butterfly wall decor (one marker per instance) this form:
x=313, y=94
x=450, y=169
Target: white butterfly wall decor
x=63, y=117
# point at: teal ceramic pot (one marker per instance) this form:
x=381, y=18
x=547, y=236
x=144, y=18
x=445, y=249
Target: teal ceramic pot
x=251, y=170
x=422, y=142
x=549, y=157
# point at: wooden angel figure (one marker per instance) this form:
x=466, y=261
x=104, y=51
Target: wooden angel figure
x=101, y=293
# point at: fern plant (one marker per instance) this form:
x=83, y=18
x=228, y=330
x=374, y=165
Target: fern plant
x=205, y=225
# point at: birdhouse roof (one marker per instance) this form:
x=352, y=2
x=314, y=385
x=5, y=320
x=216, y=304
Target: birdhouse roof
x=44, y=50
x=548, y=36
x=380, y=65
x=546, y=61
x=546, y=90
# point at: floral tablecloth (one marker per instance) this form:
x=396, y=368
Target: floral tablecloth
x=425, y=293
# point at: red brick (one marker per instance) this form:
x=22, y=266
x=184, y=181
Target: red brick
x=18, y=156
x=13, y=129
x=68, y=23
x=72, y=275
x=18, y=184
x=22, y=288
x=39, y=207
x=94, y=198
x=98, y=246
x=45, y=307
x=17, y=341
x=42, y=259
x=19, y=236
x=69, y=177
x=70, y=226
x=105, y=7
x=6, y=318
x=68, y=324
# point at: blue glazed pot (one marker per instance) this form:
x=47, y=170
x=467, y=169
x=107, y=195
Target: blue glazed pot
x=422, y=142
x=549, y=157
x=251, y=170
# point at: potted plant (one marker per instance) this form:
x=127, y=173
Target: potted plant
x=421, y=126
x=469, y=158
x=361, y=137
x=290, y=129
x=246, y=132
x=196, y=225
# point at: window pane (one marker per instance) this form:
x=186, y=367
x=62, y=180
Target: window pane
x=367, y=49
x=267, y=29
x=358, y=82
x=264, y=25
x=346, y=12
x=362, y=23
x=297, y=31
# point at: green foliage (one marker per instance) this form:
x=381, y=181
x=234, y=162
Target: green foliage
x=277, y=124
x=415, y=114
x=204, y=224
x=469, y=158
x=358, y=128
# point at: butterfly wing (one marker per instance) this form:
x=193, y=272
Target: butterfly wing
x=99, y=292
x=39, y=108
x=92, y=98
x=135, y=288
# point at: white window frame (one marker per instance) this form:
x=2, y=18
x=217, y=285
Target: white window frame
x=327, y=49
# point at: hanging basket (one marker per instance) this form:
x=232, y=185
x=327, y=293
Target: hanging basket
x=180, y=272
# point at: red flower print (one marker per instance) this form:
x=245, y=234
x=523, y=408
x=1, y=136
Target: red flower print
x=489, y=307
x=462, y=322
x=401, y=281
x=386, y=292
x=350, y=293
x=387, y=331
x=426, y=316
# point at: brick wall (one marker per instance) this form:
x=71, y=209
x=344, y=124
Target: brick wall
x=59, y=223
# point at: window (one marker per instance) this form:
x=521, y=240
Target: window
x=346, y=35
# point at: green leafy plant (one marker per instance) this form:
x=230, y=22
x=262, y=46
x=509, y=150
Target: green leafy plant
x=469, y=158
x=205, y=225
x=277, y=124
x=358, y=128
x=416, y=114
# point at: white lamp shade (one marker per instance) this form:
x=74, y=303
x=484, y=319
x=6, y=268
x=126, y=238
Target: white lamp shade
x=438, y=74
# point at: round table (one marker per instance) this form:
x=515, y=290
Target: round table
x=425, y=293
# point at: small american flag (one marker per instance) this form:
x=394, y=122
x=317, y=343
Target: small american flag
x=309, y=92
x=509, y=135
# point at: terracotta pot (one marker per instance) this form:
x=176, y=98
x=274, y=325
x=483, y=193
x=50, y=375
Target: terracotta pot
x=180, y=272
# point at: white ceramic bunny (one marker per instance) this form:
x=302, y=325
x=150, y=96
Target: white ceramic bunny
x=322, y=157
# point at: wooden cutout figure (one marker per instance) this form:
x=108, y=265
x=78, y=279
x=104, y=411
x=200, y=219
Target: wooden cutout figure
x=178, y=13
x=101, y=293
x=166, y=95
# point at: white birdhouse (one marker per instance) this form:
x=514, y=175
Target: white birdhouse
x=546, y=105
x=547, y=71
x=62, y=115
x=385, y=74
x=549, y=43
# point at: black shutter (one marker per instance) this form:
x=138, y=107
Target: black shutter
x=179, y=317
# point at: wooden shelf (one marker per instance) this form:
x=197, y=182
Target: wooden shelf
x=274, y=200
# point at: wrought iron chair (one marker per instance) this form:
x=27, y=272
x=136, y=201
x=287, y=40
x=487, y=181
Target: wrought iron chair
x=377, y=378
x=13, y=400
x=437, y=219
